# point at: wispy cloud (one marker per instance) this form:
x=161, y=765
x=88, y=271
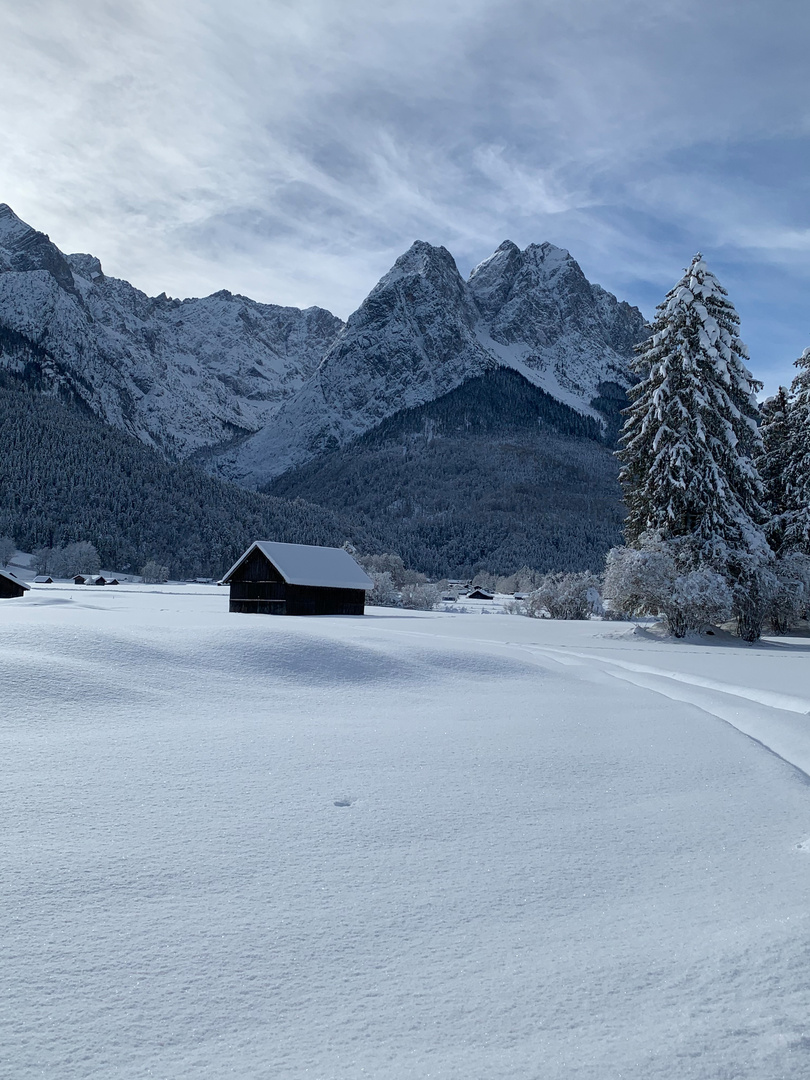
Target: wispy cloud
x=291, y=149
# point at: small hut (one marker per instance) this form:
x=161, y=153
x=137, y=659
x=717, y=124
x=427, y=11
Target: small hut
x=480, y=594
x=80, y=579
x=43, y=579
x=297, y=579
x=11, y=586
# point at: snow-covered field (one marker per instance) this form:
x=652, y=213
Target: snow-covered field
x=398, y=847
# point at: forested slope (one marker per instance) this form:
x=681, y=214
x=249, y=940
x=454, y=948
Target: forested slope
x=65, y=476
x=494, y=475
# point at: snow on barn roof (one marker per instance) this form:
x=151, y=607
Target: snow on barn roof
x=13, y=577
x=304, y=564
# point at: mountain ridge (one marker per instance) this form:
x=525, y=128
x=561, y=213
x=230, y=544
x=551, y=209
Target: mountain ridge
x=253, y=389
x=177, y=374
x=423, y=330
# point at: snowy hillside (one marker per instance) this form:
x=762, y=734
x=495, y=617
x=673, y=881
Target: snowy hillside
x=423, y=330
x=178, y=374
x=402, y=846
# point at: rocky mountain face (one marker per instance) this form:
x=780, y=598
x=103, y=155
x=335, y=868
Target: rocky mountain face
x=253, y=389
x=179, y=374
x=423, y=330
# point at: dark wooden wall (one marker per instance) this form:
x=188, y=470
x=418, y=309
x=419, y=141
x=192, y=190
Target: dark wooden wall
x=9, y=589
x=258, y=588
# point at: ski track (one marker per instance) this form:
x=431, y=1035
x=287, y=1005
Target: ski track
x=765, y=723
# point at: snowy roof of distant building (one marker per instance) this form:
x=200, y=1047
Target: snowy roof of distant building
x=42, y=579
x=11, y=576
x=305, y=564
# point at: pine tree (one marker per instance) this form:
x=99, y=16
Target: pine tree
x=689, y=446
x=691, y=435
x=774, y=462
x=796, y=514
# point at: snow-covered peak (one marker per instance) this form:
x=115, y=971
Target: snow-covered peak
x=548, y=255
x=23, y=249
x=12, y=228
x=421, y=260
x=423, y=331
x=490, y=282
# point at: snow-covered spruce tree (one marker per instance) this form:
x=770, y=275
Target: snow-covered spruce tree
x=689, y=442
x=795, y=521
x=774, y=461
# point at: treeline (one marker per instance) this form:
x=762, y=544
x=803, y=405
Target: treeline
x=66, y=477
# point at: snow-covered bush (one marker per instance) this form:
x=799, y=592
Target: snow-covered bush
x=638, y=582
x=648, y=582
x=7, y=549
x=420, y=597
x=81, y=558
x=698, y=597
x=391, y=564
x=154, y=574
x=564, y=596
x=78, y=558
x=384, y=593
x=523, y=581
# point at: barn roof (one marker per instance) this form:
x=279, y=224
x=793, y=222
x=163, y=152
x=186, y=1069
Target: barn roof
x=13, y=577
x=304, y=564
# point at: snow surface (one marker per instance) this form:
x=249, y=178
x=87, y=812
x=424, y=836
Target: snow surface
x=405, y=846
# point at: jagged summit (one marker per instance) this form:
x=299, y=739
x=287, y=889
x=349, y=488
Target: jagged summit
x=423, y=330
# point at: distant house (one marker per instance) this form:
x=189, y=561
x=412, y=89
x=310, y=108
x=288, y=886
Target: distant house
x=43, y=579
x=114, y=581
x=11, y=586
x=79, y=579
x=479, y=594
x=297, y=579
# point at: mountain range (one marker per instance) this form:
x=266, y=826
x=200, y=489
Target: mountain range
x=278, y=399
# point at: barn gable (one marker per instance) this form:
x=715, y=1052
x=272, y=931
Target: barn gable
x=297, y=579
x=11, y=586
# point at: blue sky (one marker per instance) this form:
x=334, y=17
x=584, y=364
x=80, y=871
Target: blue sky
x=291, y=150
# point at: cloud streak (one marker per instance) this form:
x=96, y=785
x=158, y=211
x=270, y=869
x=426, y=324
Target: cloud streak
x=291, y=150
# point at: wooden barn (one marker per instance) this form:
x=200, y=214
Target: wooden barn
x=296, y=579
x=11, y=586
x=480, y=594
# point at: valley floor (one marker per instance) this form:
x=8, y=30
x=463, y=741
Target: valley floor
x=404, y=846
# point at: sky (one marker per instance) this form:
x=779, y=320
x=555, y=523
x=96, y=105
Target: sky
x=291, y=151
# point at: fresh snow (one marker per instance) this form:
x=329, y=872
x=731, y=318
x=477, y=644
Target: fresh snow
x=402, y=846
